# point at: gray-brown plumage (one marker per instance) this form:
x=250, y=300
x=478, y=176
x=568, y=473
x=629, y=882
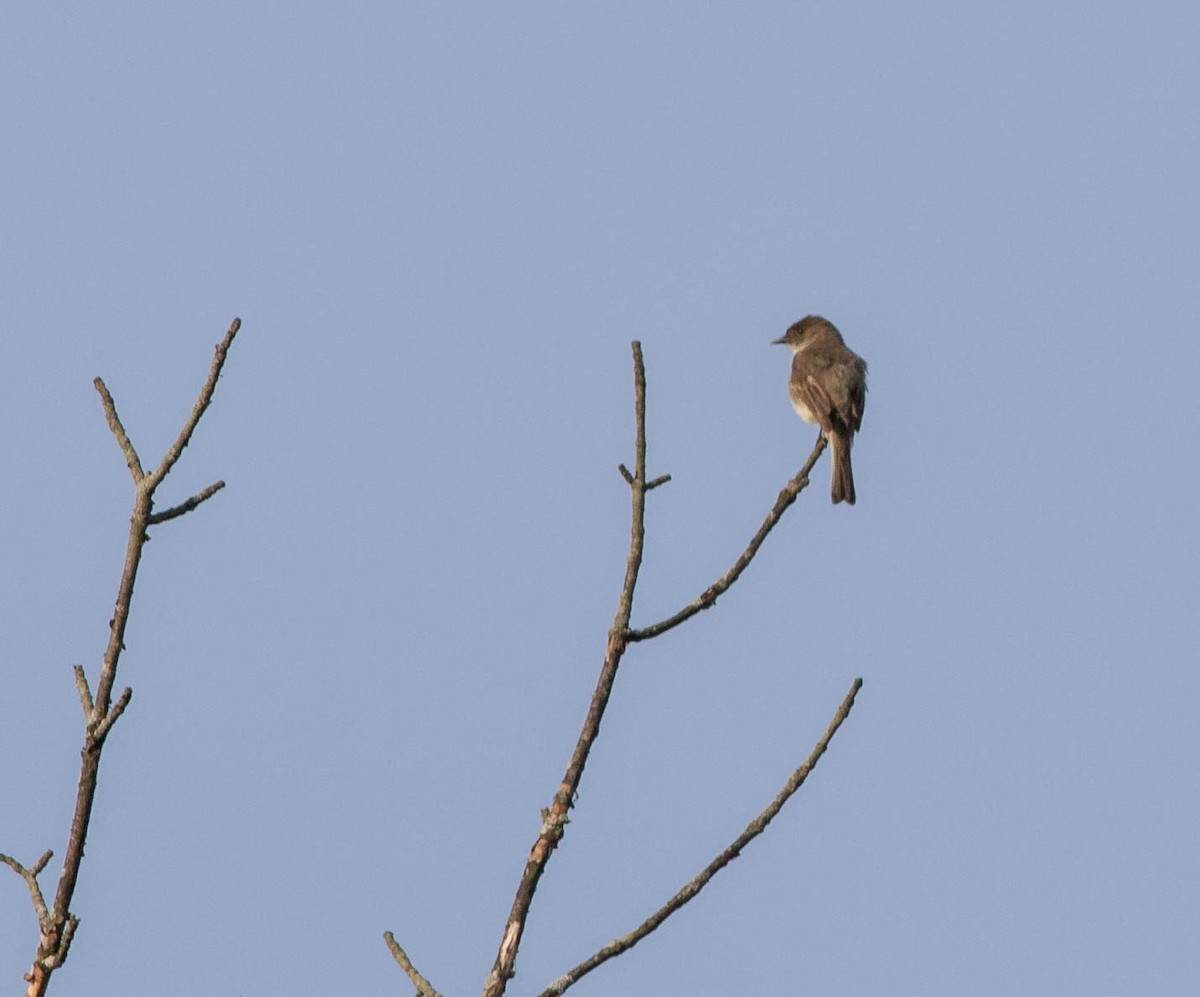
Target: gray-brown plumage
x=829, y=389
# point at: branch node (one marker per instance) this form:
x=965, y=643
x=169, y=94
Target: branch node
x=553, y=824
x=661, y=480
x=625, y=473
x=105, y=725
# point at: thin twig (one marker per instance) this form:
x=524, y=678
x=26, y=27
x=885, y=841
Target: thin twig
x=57, y=925
x=118, y=430
x=85, y=694
x=105, y=725
x=185, y=507
x=424, y=987
x=710, y=595
x=202, y=403
x=30, y=876
x=555, y=818
x=753, y=830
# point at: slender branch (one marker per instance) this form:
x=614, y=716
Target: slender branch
x=118, y=430
x=105, y=725
x=710, y=595
x=185, y=507
x=85, y=694
x=753, y=830
x=30, y=876
x=555, y=818
x=57, y=924
x=202, y=403
x=424, y=987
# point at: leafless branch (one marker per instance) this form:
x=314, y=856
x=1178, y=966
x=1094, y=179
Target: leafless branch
x=118, y=430
x=57, y=924
x=710, y=595
x=202, y=403
x=424, y=987
x=555, y=818
x=30, y=876
x=185, y=507
x=752, y=831
x=85, y=693
x=105, y=725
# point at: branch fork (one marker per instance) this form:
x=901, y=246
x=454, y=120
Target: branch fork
x=56, y=924
x=620, y=636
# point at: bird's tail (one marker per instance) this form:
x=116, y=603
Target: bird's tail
x=843, y=474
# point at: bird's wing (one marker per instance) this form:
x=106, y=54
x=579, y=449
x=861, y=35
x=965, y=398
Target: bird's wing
x=806, y=391
x=858, y=397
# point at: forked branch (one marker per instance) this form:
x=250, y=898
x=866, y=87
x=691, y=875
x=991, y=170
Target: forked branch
x=56, y=923
x=556, y=817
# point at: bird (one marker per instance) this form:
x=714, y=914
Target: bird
x=828, y=388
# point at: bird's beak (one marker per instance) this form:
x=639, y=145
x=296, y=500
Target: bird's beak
x=781, y=341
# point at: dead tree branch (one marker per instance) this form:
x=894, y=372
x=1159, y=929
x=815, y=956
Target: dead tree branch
x=556, y=817
x=57, y=924
x=752, y=831
x=709, y=596
x=424, y=987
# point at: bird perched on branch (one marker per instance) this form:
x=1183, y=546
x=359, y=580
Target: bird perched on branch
x=829, y=389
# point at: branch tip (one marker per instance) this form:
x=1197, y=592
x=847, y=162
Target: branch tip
x=85, y=693
x=118, y=430
x=424, y=987
x=185, y=507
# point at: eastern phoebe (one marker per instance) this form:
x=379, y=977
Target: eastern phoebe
x=828, y=389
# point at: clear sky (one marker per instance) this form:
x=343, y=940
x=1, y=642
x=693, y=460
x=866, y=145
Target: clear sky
x=358, y=672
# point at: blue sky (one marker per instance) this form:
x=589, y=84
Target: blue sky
x=359, y=671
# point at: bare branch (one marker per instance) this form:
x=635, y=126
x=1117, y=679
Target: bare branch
x=30, y=876
x=753, y=830
x=64, y=944
x=202, y=403
x=105, y=725
x=185, y=507
x=424, y=987
x=57, y=924
x=555, y=818
x=710, y=595
x=85, y=694
x=118, y=430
